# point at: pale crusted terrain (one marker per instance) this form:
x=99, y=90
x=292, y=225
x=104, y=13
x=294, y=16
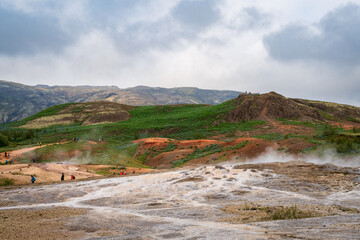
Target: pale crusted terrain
x=231, y=201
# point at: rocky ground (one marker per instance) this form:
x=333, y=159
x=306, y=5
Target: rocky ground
x=290, y=200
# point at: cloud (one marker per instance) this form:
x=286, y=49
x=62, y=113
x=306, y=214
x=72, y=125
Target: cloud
x=246, y=18
x=334, y=39
x=196, y=14
x=208, y=44
x=24, y=34
x=256, y=18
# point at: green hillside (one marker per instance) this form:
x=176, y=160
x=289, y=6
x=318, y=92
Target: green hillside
x=304, y=129
x=174, y=121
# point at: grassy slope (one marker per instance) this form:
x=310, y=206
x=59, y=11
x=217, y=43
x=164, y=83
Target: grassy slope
x=177, y=121
x=180, y=122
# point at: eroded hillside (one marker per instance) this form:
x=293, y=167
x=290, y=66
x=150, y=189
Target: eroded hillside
x=273, y=106
x=81, y=113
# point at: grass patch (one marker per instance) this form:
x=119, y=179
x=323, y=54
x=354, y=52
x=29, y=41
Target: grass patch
x=250, y=212
x=257, y=213
x=344, y=142
x=6, y=182
x=77, y=109
x=103, y=171
x=283, y=213
x=327, y=116
x=271, y=136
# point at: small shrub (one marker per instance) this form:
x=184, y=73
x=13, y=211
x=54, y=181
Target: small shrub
x=352, y=119
x=170, y=147
x=283, y=213
x=328, y=131
x=344, y=147
x=346, y=144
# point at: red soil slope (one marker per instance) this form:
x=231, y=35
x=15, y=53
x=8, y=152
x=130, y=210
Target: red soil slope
x=156, y=155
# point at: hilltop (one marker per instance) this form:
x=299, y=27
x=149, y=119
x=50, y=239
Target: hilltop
x=18, y=101
x=273, y=106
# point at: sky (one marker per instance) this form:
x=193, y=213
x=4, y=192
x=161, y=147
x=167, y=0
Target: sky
x=299, y=48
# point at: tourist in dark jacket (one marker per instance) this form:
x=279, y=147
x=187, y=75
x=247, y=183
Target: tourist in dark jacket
x=33, y=179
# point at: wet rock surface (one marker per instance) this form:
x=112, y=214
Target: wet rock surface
x=208, y=202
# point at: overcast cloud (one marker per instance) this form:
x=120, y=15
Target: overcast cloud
x=298, y=48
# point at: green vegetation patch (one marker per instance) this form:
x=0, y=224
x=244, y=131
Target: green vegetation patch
x=181, y=122
x=109, y=170
x=344, y=142
x=77, y=109
x=271, y=136
x=170, y=147
x=328, y=116
x=352, y=119
x=6, y=181
x=4, y=141
x=16, y=135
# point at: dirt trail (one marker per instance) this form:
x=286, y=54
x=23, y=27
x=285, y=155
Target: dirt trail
x=48, y=172
x=19, y=152
x=51, y=172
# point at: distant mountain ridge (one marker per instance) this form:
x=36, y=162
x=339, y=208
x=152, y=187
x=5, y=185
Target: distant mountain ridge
x=18, y=101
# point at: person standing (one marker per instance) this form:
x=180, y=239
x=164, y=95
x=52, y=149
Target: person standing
x=62, y=177
x=33, y=179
